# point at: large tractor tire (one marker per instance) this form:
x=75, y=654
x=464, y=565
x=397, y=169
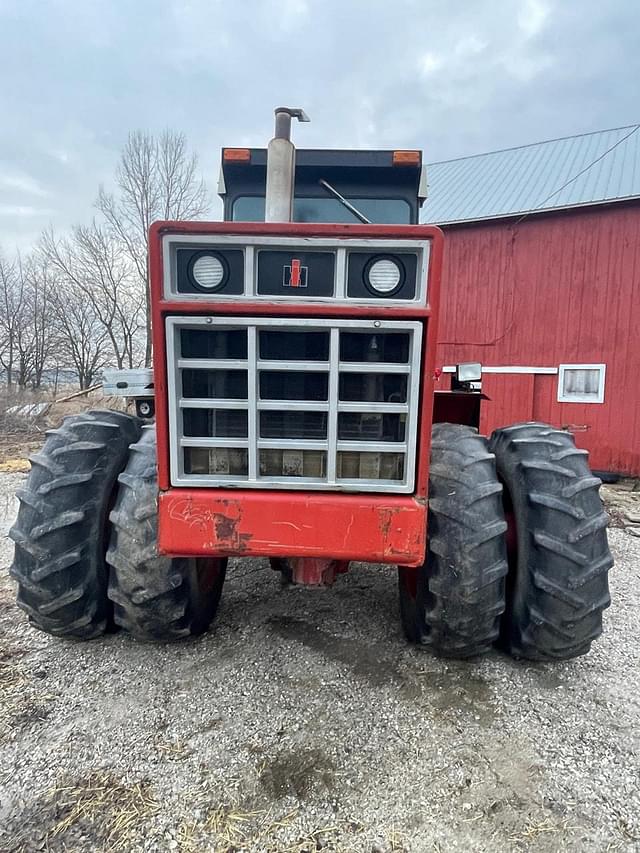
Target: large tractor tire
x=453, y=602
x=155, y=597
x=60, y=532
x=559, y=557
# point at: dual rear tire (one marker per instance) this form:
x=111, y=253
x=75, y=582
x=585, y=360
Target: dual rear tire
x=61, y=530
x=558, y=554
x=155, y=597
x=518, y=552
x=77, y=574
x=454, y=601
x=517, y=555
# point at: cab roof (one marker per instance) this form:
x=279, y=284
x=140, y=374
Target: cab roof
x=347, y=166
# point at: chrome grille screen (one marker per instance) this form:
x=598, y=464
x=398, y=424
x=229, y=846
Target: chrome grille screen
x=293, y=404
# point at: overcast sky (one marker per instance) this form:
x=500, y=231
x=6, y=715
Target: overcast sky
x=454, y=78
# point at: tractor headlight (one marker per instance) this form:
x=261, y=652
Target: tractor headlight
x=384, y=276
x=208, y=272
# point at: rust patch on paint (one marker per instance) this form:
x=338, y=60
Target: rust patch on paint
x=390, y=526
x=386, y=519
x=224, y=525
x=226, y=528
x=388, y=516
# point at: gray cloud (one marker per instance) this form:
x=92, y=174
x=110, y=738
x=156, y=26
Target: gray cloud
x=451, y=78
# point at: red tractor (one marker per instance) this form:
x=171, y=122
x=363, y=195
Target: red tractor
x=296, y=420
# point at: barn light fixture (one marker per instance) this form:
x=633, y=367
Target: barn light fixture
x=469, y=371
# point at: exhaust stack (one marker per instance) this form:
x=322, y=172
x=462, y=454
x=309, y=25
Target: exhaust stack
x=281, y=167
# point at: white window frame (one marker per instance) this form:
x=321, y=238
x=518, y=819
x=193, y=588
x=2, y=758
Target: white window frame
x=581, y=398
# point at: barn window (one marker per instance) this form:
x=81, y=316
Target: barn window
x=581, y=383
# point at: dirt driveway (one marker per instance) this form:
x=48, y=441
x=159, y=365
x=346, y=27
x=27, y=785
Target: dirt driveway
x=304, y=722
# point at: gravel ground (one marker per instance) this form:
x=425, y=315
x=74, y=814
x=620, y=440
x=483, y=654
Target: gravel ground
x=303, y=721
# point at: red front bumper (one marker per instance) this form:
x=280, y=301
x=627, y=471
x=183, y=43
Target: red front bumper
x=225, y=522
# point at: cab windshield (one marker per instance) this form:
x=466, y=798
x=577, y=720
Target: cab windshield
x=387, y=211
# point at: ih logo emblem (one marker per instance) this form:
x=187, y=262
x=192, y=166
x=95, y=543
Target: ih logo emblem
x=294, y=275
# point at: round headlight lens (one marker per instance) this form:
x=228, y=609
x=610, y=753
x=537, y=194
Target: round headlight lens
x=208, y=272
x=384, y=275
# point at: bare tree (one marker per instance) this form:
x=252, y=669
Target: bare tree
x=88, y=292
x=83, y=340
x=157, y=178
x=93, y=263
x=36, y=337
x=24, y=330
x=11, y=313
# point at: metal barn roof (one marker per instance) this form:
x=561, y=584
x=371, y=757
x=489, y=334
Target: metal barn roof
x=592, y=168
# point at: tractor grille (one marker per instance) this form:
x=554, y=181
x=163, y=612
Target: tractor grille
x=293, y=404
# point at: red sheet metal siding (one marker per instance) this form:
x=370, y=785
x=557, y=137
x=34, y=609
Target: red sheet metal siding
x=545, y=291
x=506, y=393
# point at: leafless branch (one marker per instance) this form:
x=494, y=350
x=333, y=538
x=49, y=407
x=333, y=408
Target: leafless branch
x=157, y=178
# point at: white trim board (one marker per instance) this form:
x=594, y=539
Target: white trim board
x=514, y=368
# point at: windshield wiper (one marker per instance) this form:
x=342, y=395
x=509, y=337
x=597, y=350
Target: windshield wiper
x=334, y=192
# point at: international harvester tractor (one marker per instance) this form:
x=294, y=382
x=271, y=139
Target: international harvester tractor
x=291, y=416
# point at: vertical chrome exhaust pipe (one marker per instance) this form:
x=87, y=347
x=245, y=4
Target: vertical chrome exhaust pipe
x=281, y=167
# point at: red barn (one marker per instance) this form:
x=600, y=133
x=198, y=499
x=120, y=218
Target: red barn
x=542, y=285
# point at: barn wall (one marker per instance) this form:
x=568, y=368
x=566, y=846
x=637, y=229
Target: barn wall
x=550, y=290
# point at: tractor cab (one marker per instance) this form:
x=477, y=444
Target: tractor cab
x=386, y=187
